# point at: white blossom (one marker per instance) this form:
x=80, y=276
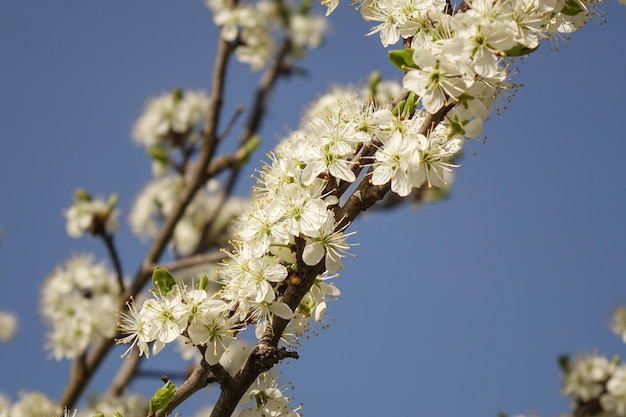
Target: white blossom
x=78, y=301
x=170, y=113
x=86, y=215
x=8, y=326
x=586, y=377
x=614, y=400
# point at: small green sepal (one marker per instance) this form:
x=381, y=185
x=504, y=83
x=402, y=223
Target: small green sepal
x=161, y=398
x=409, y=105
x=163, y=280
x=372, y=82
x=441, y=32
x=112, y=202
x=520, y=50
x=99, y=414
x=177, y=95
x=455, y=126
x=397, y=111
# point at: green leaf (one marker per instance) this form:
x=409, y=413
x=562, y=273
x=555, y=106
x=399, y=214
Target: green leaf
x=397, y=111
x=243, y=154
x=177, y=93
x=162, y=397
x=252, y=144
x=396, y=57
x=615, y=360
x=520, y=50
x=402, y=58
x=372, y=82
x=409, y=105
x=571, y=8
x=82, y=195
x=564, y=362
x=163, y=280
x=158, y=153
x=204, y=282
x=115, y=197
x=440, y=32
x=99, y=414
x=408, y=58
x=116, y=414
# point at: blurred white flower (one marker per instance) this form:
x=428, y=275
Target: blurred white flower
x=307, y=30
x=177, y=112
x=78, y=302
x=614, y=401
x=128, y=405
x=34, y=404
x=91, y=215
x=618, y=326
x=586, y=377
x=8, y=326
x=156, y=201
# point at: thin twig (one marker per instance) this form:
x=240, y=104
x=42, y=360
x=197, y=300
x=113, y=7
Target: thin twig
x=231, y=123
x=79, y=379
x=194, y=261
x=200, y=377
x=110, y=245
x=258, y=108
x=232, y=390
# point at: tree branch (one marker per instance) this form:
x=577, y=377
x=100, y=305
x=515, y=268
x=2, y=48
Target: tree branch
x=108, y=241
x=124, y=374
x=194, y=261
x=80, y=375
x=258, y=108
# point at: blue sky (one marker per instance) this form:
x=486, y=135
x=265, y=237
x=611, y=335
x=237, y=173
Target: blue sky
x=459, y=308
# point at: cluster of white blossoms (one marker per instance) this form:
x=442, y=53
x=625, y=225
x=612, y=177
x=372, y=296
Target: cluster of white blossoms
x=251, y=27
x=456, y=65
x=126, y=405
x=488, y=26
x=156, y=201
x=78, y=301
x=29, y=404
x=460, y=58
x=586, y=376
x=593, y=377
x=292, y=220
x=170, y=117
x=175, y=311
x=91, y=215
